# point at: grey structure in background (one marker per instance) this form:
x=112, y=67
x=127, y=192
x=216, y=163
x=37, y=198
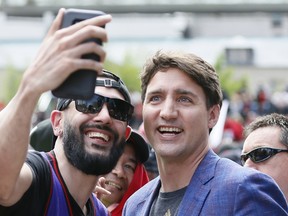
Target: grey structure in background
x=253, y=35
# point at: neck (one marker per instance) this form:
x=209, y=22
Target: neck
x=75, y=179
x=170, y=171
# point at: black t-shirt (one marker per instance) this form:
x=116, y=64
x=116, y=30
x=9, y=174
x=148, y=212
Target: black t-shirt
x=34, y=201
x=167, y=203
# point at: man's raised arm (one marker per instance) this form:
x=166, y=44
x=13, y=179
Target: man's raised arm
x=58, y=56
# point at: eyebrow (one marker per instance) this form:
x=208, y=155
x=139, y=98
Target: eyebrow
x=157, y=91
x=186, y=92
x=178, y=91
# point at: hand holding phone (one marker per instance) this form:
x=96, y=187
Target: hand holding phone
x=80, y=84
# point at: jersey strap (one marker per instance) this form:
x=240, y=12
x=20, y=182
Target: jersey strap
x=58, y=198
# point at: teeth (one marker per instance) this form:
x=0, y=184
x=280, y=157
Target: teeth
x=113, y=184
x=170, y=129
x=98, y=135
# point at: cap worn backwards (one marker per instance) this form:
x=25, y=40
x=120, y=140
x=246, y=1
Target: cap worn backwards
x=112, y=81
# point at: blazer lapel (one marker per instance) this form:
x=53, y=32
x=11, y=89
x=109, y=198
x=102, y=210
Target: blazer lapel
x=199, y=187
x=145, y=205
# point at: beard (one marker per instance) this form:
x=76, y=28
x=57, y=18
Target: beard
x=90, y=164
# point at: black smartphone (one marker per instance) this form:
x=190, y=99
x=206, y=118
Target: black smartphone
x=80, y=84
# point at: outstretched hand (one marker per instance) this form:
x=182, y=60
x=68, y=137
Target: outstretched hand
x=99, y=189
x=61, y=51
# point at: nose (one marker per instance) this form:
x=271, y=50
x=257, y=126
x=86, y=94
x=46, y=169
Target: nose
x=169, y=109
x=118, y=171
x=103, y=116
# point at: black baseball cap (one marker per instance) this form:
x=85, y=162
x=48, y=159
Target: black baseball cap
x=140, y=146
x=112, y=81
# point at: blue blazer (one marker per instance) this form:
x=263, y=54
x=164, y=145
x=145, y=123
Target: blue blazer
x=218, y=187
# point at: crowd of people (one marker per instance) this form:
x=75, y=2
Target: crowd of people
x=87, y=160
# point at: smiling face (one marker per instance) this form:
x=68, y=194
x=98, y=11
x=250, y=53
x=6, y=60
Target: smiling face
x=177, y=107
x=119, y=179
x=93, y=142
x=276, y=166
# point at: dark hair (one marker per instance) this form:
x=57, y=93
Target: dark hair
x=271, y=120
x=195, y=67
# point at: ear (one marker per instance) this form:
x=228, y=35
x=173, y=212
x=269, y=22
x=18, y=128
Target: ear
x=214, y=113
x=56, y=117
x=128, y=132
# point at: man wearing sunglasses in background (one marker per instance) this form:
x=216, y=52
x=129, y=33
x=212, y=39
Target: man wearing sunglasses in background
x=266, y=148
x=90, y=135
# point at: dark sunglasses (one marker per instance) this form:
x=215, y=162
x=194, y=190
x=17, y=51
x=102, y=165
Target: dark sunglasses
x=260, y=154
x=117, y=108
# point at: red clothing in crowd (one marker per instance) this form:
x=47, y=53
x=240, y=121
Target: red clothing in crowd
x=140, y=178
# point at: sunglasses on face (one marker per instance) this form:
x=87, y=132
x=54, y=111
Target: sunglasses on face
x=117, y=108
x=261, y=154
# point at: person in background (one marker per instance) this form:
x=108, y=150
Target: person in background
x=181, y=98
x=151, y=163
x=231, y=152
x=127, y=176
x=266, y=148
x=41, y=136
x=89, y=134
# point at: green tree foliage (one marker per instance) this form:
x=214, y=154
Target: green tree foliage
x=10, y=80
x=230, y=85
x=128, y=70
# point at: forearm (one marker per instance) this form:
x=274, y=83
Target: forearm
x=14, y=132
x=59, y=56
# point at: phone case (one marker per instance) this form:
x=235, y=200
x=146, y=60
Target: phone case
x=81, y=83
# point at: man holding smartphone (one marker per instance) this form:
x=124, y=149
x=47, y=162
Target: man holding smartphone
x=89, y=133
